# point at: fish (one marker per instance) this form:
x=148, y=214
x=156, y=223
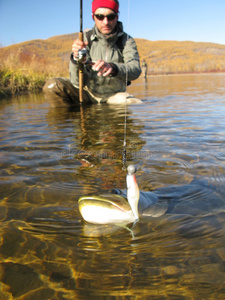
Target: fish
x=121, y=207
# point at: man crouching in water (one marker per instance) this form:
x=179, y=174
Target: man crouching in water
x=114, y=57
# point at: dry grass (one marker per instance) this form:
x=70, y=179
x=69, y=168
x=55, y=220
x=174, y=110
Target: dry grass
x=165, y=57
x=26, y=66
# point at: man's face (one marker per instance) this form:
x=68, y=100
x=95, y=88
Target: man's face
x=105, y=26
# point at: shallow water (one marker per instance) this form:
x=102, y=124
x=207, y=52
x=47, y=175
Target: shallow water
x=50, y=157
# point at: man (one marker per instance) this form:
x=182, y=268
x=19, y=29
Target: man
x=144, y=67
x=114, y=62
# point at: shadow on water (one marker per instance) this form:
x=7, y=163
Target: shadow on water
x=49, y=158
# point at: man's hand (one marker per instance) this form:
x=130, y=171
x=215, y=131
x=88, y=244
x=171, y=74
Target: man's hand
x=103, y=68
x=77, y=45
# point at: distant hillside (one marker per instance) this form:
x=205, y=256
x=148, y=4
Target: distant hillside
x=51, y=56
x=181, y=57
x=42, y=56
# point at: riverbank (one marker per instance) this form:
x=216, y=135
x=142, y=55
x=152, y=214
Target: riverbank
x=20, y=81
x=26, y=66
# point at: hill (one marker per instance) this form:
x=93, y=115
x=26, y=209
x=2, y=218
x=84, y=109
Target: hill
x=52, y=56
x=181, y=57
x=49, y=56
x=27, y=65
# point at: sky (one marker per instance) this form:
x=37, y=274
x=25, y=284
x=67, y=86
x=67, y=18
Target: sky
x=181, y=20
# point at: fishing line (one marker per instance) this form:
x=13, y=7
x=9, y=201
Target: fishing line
x=124, y=159
x=124, y=141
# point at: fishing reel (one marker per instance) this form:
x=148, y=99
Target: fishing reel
x=82, y=56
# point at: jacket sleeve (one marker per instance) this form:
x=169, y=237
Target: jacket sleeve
x=131, y=63
x=73, y=70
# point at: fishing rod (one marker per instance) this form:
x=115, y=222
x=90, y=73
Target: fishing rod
x=80, y=55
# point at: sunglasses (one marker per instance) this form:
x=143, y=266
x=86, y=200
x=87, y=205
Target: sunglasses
x=109, y=17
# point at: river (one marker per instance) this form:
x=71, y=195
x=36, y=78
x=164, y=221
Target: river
x=51, y=157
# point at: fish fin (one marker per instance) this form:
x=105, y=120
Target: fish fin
x=155, y=210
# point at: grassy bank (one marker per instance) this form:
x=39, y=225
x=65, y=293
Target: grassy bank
x=23, y=72
x=26, y=66
x=17, y=81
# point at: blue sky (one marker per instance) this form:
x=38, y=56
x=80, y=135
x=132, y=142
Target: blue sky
x=181, y=20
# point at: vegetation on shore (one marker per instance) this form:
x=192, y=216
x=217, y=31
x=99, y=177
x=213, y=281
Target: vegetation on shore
x=17, y=81
x=26, y=66
x=172, y=57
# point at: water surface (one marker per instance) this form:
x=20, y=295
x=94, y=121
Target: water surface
x=50, y=157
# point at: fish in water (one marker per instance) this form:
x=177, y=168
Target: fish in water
x=119, y=207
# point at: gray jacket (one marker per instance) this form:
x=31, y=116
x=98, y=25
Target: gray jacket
x=106, y=48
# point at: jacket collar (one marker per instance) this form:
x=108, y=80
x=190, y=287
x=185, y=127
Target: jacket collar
x=109, y=38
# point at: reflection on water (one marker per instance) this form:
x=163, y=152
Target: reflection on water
x=49, y=158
